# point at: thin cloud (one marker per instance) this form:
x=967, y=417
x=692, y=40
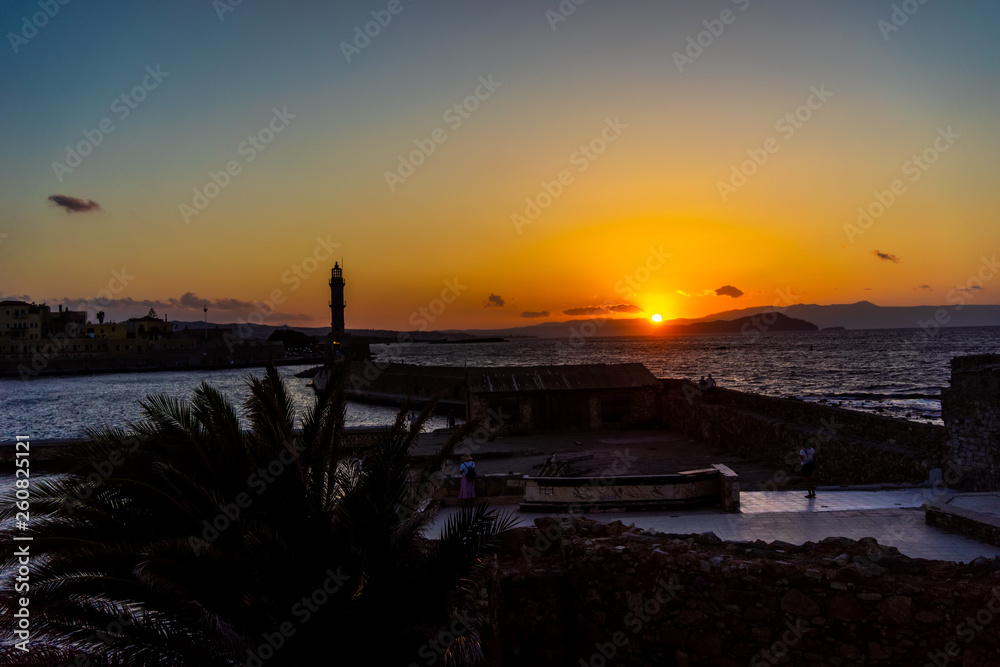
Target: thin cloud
x=625, y=308
x=690, y=295
x=586, y=310
x=970, y=288
x=495, y=301
x=729, y=290
x=925, y=287
x=532, y=315
x=603, y=310
x=75, y=204
x=886, y=256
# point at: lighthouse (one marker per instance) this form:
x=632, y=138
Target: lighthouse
x=337, y=303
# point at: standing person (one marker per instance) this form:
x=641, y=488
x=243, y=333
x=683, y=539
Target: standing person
x=710, y=386
x=807, y=457
x=702, y=385
x=467, y=490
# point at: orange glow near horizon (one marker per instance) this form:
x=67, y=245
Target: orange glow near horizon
x=548, y=203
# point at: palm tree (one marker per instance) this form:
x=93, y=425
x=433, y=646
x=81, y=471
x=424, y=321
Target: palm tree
x=195, y=540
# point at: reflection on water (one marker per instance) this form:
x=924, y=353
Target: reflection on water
x=62, y=407
x=898, y=372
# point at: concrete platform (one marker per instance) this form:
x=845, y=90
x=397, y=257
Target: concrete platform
x=893, y=518
x=975, y=515
x=638, y=452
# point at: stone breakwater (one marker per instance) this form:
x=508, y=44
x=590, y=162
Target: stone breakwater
x=604, y=594
x=852, y=447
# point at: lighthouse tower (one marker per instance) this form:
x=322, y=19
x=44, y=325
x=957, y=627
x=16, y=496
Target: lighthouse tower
x=337, y=304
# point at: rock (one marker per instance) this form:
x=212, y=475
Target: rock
x=690, y=617
x=846, y=608
x=848, y=651
x=896, y=609
x=877, y=651
x=929, y=616
x=796, y=602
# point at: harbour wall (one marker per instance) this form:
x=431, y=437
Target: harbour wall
x=852, y=448
x=971, y=409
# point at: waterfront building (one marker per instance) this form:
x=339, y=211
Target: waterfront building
x=533, y=399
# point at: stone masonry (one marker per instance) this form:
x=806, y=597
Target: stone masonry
x=970, y=408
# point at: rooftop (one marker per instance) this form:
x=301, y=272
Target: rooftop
x=559, y=378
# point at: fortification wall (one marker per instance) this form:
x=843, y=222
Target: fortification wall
x=971, y=411
x=852, y=447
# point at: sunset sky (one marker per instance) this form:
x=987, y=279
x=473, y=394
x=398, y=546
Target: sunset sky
x=670, y=176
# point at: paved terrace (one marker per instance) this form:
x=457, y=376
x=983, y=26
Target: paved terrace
x=894, y=518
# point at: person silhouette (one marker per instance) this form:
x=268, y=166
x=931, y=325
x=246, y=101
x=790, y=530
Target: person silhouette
x=807, y=456
x=467, y=490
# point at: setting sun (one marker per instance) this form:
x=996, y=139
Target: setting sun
x=657, y=318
